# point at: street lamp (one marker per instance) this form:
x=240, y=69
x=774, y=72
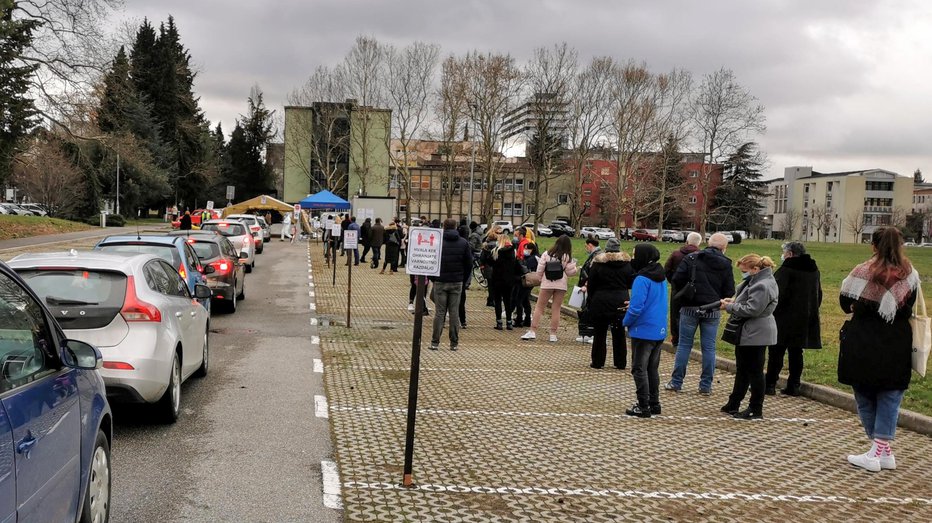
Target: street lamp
x=472, y=166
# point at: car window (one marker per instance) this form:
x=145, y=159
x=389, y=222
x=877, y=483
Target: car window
x=226, y=229
x=206, y=250
x=228, y=248
x=175, y=285
x=26, y=344
x=157, y=279
x=193, y=258
x=168, y=253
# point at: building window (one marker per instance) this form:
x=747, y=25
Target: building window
x=693, y=199
x=531, y=185
x=531, y=209
x=879, y=186
x=507, y=210
x=519, y=209
x=519, y=185
x=587, y=192
x=509, y=185
x=605, y=171
x=693, y=174
x=563, y=199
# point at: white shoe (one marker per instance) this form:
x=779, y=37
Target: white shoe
x=529, y=335
x=553, y=338
x=866, y=461
x=887, y=462
x=581, y=339
x=411, y=307
x=588, y=339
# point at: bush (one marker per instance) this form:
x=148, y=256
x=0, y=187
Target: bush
x=113, y=220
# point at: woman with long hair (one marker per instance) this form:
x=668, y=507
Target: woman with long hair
x=485, y=261
x=554, y=267
x=876, y=343
x=753, y=306
x=522, y=302
x=501, y=285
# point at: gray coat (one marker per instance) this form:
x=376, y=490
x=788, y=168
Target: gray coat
x=756, y=300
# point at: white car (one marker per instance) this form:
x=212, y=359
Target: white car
x=541, y=230
x=507, y=227
x=585, y=232
x=254, y=228
x=137, y=310
x=239, y=235
x=35, y=208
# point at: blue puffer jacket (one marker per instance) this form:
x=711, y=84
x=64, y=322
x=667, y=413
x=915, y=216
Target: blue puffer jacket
x=646, y=318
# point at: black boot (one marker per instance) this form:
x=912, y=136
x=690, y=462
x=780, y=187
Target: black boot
x=748, y=413
x=637, y=411
x=730, y=409
x=509, y=325
x=790, y=390
x=498, y=325
x=770, y=390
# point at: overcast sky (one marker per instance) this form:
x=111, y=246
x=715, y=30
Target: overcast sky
x=846, y=84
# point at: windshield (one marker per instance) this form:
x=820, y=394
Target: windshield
x=205, y=250
x=226, y=229
x=168, y=253
x=77, y=287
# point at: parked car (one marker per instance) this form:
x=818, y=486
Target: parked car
x=172, y=249
x=12, y=208
x=728, y=236
x=642, y=235
x=137, y=310
x=266, y=229
x=238, y=234
x=541, y=230
x=561, y=227
x=673, y=236
x=223, y=266
x=55, y=423
x=604, y=233
x=585, y=232
x=506, y=226
x=253, y=224
x=35, y=208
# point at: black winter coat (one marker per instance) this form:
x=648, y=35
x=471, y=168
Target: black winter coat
x=504, y=267
x=875, y=353
x=797, y=312
x=714, y=278
x=455, y=259
x=610, y=280
x=365, y=232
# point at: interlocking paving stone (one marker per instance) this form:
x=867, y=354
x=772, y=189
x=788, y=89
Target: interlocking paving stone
x=517, y=431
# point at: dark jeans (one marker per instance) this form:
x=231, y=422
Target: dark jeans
x=775, y=365
x=412, y=291
x=376, y=255
x=600, y=342
x=355, y=255
x=521, y=301
x=404, y=256
x=463, y=306
x=674, y=317
x=645, y=367
x=749, y=373
x=446, y=297
x=391, y=257
x=365, y=251
x=501, y=295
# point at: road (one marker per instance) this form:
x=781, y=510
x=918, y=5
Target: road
x=248, y=446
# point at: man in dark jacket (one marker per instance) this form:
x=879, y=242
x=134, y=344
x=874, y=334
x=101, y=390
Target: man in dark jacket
x=365, y=230
x=376, y=240
x=797, y=316
x=185, y=221
x=463, y=229
x=455, y=269
x=352, y=226
x=592, y=250
x=713, y=281
x=693, y=240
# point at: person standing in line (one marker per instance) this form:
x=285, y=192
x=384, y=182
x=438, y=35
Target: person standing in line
x=504, y=269
x=392, y=243
x=455, y=268
x=610, y=277
x=592, y=250
x=403, y=237
x=646, y=320
x=344, y=224
x=376, y=239
x=463, y=231
x=754, y=305
x=693, y=240
x=489, y=243
x=714, y=281
x=875, y=357
x=463, y=228
x=520, y=242
x=797, y=316
x=554, y=268
x=268, y=218
x=353, y=226
x=185, y=224
x=475, y=239
x=365, y=233
x=522, y=302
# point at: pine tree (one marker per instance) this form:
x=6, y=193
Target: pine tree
x=737, y=202
x=118, y=95
x=17, y=109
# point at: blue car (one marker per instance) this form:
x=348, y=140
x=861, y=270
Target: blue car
x=55, y=422
x=173, y=249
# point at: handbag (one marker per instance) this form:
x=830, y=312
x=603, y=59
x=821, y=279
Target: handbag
x=585, y=320
x=922, y=333
x=531, y=279
x=732, y=331
x=688, y=292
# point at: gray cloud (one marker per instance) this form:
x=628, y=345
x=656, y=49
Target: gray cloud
x=822, y=68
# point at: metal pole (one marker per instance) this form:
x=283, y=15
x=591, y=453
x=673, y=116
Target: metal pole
x=472, y=173
x=349, y=290
x=118, y=185
x=334, y=262
x=407, y=479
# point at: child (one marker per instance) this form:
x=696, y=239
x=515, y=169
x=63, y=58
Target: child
x=646, y=321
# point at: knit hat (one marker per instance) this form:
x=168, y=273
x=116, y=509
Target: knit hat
x=612, y=245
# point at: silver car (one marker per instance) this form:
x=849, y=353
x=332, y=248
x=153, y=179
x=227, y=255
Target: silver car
x=239, y=235
x=137, y=310
x=252, y=223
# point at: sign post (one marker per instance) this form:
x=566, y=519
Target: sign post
x=424, y=247
x=231, y=191
x=350, y=241
x=334, y=237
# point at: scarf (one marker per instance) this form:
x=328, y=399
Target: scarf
x=859, y=286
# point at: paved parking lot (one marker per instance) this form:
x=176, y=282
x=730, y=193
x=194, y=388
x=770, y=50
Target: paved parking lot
x=526, y=431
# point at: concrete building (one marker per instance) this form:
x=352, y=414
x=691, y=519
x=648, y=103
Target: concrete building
x=539, y=110
x=841, y=207
x=922, y=204
x=341, y=147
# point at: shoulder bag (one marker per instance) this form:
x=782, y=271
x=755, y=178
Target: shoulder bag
x=732, y=331
x=688, y=292
x=922, y=334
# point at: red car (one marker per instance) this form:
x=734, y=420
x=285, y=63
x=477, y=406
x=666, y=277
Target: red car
x=196, y=217
x=640, y=235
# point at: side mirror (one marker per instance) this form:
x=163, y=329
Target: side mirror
x=243, y=255
x=79, y=355
x=202, y=292
x=209, y=269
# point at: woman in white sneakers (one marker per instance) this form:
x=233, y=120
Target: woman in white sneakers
x=554, y=267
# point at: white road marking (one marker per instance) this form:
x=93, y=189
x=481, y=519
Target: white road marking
x=311, y=294
x=506, y=413
x=639, y=494
x=331, y=482
x=320, y=407
x=313, y=321
x=318, y=366
x=315, y=340
x=310, y=284
x=313, y=307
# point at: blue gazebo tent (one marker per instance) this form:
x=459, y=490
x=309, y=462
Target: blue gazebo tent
x=325, y=200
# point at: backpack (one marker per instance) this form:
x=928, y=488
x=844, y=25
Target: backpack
x=553, y=270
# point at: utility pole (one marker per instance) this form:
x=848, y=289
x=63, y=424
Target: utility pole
x=118, y=185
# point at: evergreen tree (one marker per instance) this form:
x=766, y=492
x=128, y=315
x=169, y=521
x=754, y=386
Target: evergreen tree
x=737, y=202
x=917, y=176
x=118, y=92
x=17, y=109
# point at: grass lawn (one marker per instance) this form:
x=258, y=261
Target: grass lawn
x=24, y=226
x=835, y=262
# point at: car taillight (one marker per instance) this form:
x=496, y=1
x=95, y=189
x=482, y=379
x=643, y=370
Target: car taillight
x=183, y=273
x=118, y=365
x=135, y=309
x=220, y=266
x=257, y=241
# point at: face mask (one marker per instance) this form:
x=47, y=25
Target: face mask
x=782, y=257
x=527, y=253
x=745, y=275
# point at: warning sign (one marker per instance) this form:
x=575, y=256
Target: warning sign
x=424, y=246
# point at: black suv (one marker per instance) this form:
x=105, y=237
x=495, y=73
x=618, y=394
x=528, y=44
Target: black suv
x=560, y=227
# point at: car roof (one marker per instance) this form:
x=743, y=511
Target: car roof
x=150, y=239
x=81, y=259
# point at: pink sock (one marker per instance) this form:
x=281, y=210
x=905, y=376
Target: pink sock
x=881, y=447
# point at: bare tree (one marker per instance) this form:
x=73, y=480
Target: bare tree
x=855, y=224
x=322, y=132
x=821, y=220
x=493, y=84
x=790, y=223
x=363, y=75
x=46, y=174
x=898, y=217
x=549, y=77
x=725, y=115
x=672, y=125
x=408, y=84
x=451, y=113
x=588, y=119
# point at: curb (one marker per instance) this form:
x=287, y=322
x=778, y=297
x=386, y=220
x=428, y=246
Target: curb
x=908, y=419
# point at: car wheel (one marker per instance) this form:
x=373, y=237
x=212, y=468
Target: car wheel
x=249, y=267
x=205, y=362
x=231, y=302
x=242, y=292
x=169, y=406
x=97, y=496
